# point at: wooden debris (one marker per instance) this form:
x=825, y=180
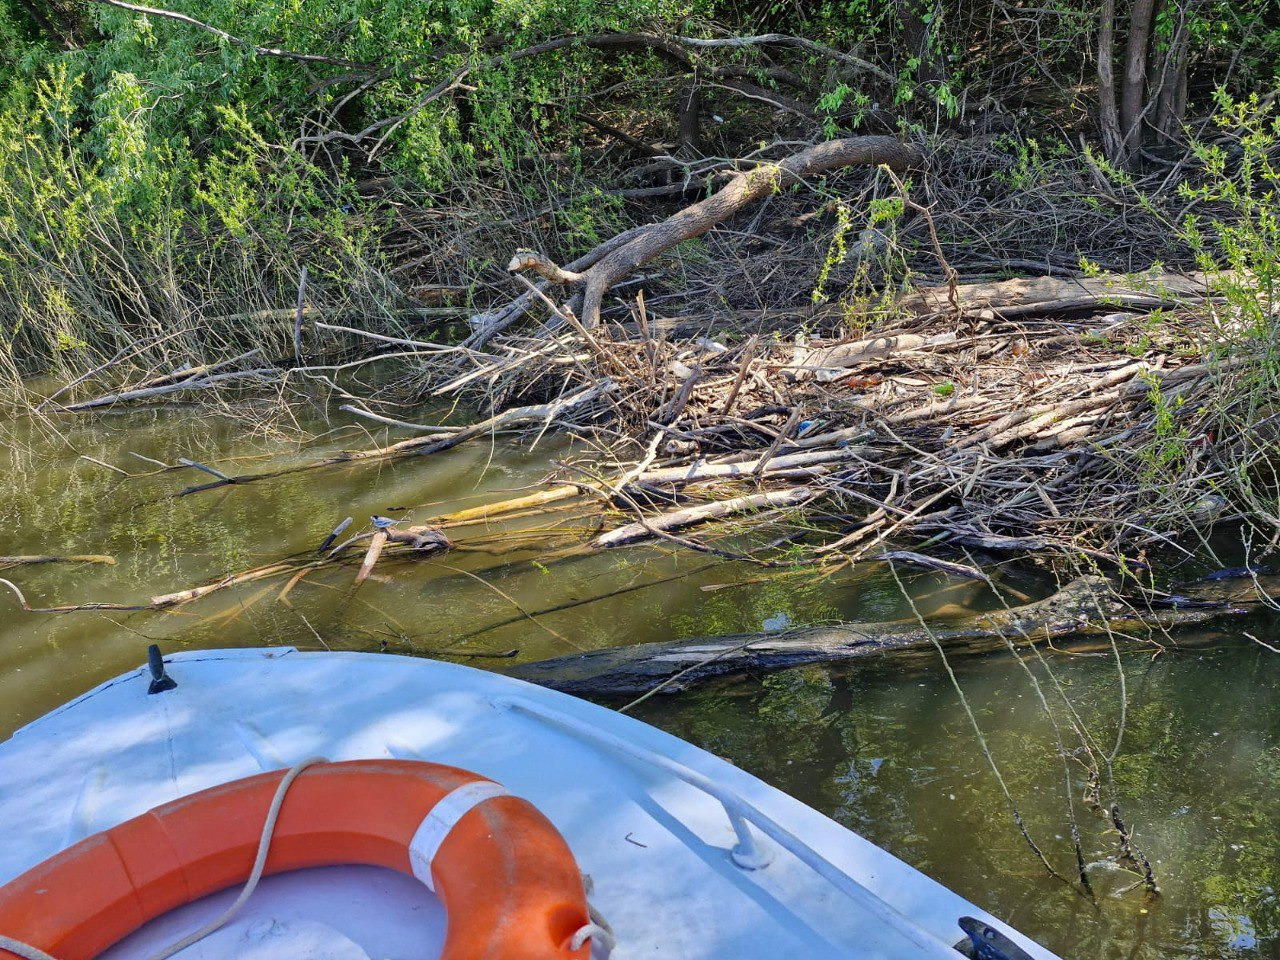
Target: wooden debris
x=28, y=560
x=189, y=379
x=1041, y=296
x=692, y=516
x=1080, y=606
x=962, y=570
x=371, y=556
x=195, y=593
x=491, y=511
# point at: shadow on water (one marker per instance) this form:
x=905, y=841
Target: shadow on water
x=884, y=747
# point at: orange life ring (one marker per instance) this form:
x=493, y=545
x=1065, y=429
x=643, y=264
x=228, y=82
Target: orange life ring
x=510, y=886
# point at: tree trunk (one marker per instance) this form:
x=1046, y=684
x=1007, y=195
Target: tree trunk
x=1133, y=94
x=1108, y=119
x=1170, y=90
x=690, y=124
x=920, y=38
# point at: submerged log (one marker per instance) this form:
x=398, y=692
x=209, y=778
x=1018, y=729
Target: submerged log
x=1083, y=605
x=23, y=560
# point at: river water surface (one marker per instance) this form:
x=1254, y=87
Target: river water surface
x=886, y=747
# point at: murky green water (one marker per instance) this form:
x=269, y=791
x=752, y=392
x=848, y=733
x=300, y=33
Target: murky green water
x=885, y=747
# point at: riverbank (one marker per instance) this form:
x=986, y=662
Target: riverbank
x=1096, y=421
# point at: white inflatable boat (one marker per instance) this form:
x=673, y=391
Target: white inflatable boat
x=684, y=856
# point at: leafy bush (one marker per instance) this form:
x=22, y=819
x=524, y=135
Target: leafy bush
x=110, y=234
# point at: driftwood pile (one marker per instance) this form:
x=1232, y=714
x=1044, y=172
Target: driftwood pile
x=1014, y=416
x=1002, y=417
x=961, y=428
x=1024, y=434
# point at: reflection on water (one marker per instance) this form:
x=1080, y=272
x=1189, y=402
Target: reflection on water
x=884, y=747
x=887, y=751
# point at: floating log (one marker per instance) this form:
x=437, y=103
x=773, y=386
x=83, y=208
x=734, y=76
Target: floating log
x=195, y=593
x=1083, y=605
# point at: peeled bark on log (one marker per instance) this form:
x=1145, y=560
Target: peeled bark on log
x=371, y=556
x=742, y=189
x=787, y=463
x=691, y=516
x=490, y=510
x=1081, y=606
x=829, y=363
x=195, y=593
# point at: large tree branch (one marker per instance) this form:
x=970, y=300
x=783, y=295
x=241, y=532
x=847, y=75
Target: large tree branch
x=231, y=38
x=742, y=189
x=786, y=40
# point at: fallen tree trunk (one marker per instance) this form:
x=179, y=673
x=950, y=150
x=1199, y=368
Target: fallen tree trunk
x=1080, y=606
x=1039, y=296
x=693, y=221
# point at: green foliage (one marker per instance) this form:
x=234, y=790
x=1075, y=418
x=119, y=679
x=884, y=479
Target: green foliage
x=879, y=267
x=110, y=232
x=838, y=249
x=1232, y=225
x=1165, y=457
x=188, y=73
x=1240, y=248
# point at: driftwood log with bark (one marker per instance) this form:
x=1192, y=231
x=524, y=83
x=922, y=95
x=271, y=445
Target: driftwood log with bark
x=1083, y=605
x=1040, y=296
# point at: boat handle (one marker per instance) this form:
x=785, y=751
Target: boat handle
x=747, y=853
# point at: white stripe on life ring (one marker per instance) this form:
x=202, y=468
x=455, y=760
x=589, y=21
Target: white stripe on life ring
x=444, y=816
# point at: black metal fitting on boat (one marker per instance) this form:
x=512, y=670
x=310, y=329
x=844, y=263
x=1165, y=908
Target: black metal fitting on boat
x=987, y=943
x=160, y=681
